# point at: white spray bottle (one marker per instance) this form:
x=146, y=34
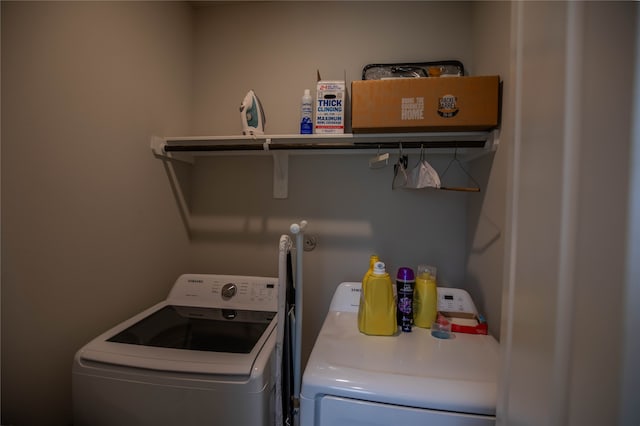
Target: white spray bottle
x=306, y=113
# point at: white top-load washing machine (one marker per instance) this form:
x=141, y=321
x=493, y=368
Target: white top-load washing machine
x=204, y=356
x=410, y=379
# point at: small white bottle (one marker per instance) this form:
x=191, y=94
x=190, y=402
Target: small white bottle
x=306, y=113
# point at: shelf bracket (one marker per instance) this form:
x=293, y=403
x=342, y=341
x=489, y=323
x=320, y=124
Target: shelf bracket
x=280, y=174
x=491, y=145
x=157, y=147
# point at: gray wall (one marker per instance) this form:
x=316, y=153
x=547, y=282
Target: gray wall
x=92, y=232
x=350, y=207
x=486, y=212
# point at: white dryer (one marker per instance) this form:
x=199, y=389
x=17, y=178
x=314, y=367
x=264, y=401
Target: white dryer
x=204, y=356
x=410, y=379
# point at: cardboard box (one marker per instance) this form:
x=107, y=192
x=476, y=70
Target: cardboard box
x=425, y=104
x=465, y=322
x=330, y=107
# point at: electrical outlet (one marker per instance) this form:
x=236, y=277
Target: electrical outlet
x=310, y=242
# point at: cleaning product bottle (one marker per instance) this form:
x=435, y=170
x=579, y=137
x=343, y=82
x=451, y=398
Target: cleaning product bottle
x=425, y=297
x=405, y=283
x=372, y=260
x=379, y=308
x=306, y=113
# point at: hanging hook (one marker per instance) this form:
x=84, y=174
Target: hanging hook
x=400, y=177
x=379, y=161
x=404, y=159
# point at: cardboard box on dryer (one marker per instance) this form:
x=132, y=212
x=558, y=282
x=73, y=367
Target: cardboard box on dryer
x=425, y=104
x=466, y=322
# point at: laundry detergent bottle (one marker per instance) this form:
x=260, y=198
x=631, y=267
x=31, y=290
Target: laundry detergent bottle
x=425, y=297
x=378, y=305
x=372, y=261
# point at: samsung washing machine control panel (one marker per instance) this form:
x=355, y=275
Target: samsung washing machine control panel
x=225, y=291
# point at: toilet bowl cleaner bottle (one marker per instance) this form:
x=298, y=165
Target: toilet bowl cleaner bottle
x=425, y=297
x=378, y=305
x=405, y=283
x=372, y=260
x=306, y=113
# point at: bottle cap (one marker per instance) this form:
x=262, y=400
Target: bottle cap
x=307, y=92
x=406, y=274
x=379, y=268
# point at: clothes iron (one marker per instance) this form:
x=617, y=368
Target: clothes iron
x=252, y=115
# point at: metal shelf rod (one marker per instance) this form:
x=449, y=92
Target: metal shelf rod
x=278, y=146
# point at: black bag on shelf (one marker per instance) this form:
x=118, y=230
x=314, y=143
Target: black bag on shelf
x=413, y=70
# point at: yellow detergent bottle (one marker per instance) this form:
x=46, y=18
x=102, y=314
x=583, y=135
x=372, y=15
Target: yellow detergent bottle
x=425, y=297
x=372, y=260
x=378, y=306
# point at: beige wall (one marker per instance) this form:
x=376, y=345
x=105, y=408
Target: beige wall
x=84, y=85
x=90, y=231
x=569, y=210
x=277, y=48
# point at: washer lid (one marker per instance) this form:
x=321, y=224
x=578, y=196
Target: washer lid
x=185, y=339
x=198, y=329
x=411, y=369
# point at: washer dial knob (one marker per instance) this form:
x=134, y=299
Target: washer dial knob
x=228, y=291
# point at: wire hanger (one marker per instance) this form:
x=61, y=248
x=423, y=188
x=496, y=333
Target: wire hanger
x=458, y=188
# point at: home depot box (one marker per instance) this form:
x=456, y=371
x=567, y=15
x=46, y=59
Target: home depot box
x=425, y=104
